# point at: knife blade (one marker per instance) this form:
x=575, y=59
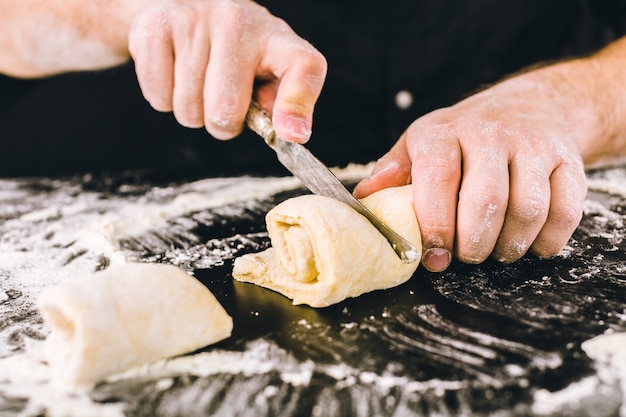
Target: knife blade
x=320, y=180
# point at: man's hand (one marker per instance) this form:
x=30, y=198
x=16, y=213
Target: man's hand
x=200, y=59
x=501, y=172
x=197, y=58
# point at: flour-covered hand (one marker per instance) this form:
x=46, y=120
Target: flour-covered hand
x=200, y=59
x=502, y=172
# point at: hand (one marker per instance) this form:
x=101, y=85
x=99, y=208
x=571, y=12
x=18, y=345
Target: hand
x=201, y=58
x=499, y=173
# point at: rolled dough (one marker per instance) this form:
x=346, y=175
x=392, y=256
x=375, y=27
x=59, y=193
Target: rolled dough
x=127, y=315
x=323, y=251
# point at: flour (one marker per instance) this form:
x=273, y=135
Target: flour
x=609, y=352
x=609, y=181
x=262, y=356
x=25, y=375
x=71, y=233
x=597, y=395
x=37, y=252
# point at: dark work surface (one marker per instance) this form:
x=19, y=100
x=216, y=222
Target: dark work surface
x=503, y=331
x=474, y=340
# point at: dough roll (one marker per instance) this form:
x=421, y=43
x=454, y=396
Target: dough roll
x=323, y=251
x=125, y=316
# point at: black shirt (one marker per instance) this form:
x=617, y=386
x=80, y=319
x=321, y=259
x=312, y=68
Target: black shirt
x=425, y=54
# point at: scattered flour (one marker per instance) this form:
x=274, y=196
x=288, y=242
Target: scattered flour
x=26, y=375
x=610, y=181
x=598, y=395
x=68, y=235
x=609, y=353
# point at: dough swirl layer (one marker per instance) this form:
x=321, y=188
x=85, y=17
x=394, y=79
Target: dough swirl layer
x=323, y=251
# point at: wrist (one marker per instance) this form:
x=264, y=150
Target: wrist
x=596, y=87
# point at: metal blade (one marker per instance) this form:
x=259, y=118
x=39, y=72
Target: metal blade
x=320, y=180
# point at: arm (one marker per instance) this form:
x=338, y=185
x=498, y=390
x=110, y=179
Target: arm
x=40, y=38
x=606, y=90
x=503, y=171
x=197, y=58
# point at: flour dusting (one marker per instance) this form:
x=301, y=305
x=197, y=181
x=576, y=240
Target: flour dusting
x=74, y=231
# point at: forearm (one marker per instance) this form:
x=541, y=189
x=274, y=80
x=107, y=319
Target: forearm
x=609, y=93
x=45, y=37
x=591, y=92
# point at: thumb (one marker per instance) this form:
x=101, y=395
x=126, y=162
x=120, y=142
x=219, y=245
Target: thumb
x=391, y=170
x=296, y=95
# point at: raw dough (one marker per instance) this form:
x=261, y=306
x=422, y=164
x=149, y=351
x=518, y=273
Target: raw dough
x=127, y=315
x=324, y=251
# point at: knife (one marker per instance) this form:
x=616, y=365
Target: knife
x=320, y=180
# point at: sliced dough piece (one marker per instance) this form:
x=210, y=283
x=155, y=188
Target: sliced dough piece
x=127, y=315
x=323, y=251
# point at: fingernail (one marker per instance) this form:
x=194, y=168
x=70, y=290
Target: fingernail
x=298, y=128
x=436, y=259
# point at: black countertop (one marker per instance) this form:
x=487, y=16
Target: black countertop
x=487, y=339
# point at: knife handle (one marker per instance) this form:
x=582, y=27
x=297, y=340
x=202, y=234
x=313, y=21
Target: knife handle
x=320, y=180
x=260, y=123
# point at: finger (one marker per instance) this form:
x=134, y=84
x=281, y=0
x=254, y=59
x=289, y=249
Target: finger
x=569, y=188
x=482, y=204
x=301, y=71
x=436, y=176
x=529, y=202
x=229, y=80
x=152, y=51
x=392, y=170
x=192, y=47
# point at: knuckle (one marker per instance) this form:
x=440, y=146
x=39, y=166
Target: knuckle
x=484, y=200
x=186, y=22
x=313, y=62
x=184, y=16
x=150, y=20
x=528, y=212
x=556, y=232
x=437, y=155
x=144, y=29
x=304, y=54
x=313, y=69
x=566, y=217
x=490, y=201
x=439, y=160
x=440, y=172
x=477, y=233
x=234, y=16
x=501, y=128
